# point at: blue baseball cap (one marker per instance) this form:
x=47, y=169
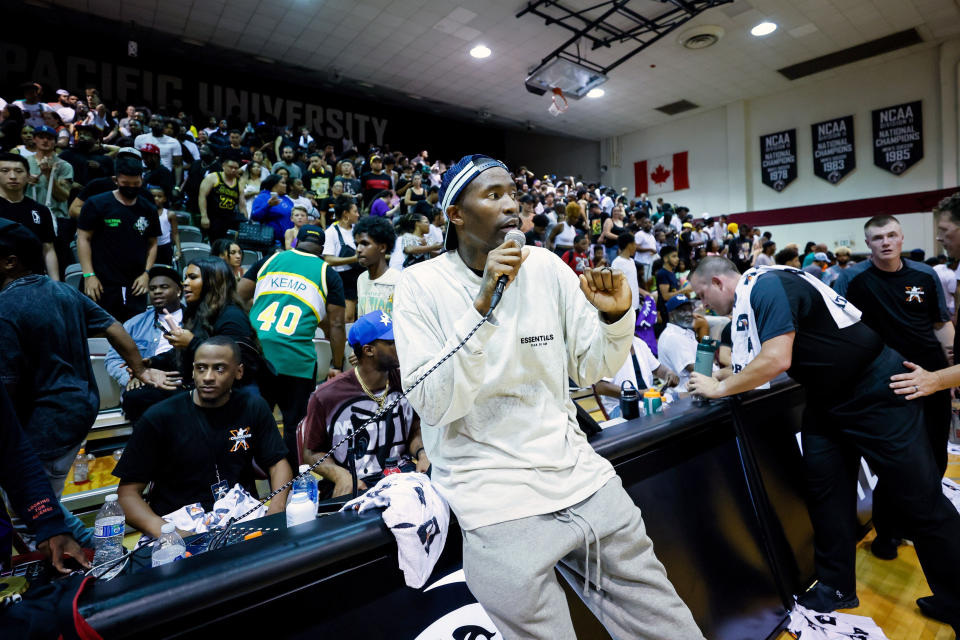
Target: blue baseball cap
x=44, y=130
x=375, y=325
x=676, y=301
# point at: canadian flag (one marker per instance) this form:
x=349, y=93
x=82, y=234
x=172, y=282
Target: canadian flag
x=662, y=175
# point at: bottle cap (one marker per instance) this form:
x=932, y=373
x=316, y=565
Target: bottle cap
x=304, y=467
x=651, y=393
x=111, y=498
x=81, y=452
x=168, y=527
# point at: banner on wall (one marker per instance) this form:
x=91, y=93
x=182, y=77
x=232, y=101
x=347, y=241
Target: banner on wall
x=661, y=175
x=833, y=149
x=898, y=136
x=778, y=159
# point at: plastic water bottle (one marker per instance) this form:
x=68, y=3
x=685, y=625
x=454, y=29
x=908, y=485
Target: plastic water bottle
x=169, y=547
x=108, y=532
x=81, y=468
x=300, y=509
x=307, y=483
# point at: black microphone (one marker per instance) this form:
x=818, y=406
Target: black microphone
x=516, y=236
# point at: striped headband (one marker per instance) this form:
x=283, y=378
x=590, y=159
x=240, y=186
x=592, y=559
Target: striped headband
x=456, y=179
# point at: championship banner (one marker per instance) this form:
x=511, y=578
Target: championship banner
x=661, y=175
x=778, y=159
x=833, y=149
x=898, y=136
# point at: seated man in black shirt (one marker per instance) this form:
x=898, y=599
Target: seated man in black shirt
x=194, y=445
x=806, y=330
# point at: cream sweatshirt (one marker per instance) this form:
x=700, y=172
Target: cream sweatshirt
x=496, y=418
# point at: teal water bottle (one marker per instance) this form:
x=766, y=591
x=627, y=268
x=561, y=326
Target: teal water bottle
x=706, y=351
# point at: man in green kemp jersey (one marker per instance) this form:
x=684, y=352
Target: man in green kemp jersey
x=296, y=290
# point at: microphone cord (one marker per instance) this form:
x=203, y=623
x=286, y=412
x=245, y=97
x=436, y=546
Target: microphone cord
x=219, y=537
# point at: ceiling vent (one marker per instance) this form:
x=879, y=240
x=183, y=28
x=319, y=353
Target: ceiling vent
x=679, y=106
x=863, y=51
x=700, y=37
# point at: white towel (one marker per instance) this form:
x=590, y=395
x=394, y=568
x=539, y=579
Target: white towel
x=811, y=625
x=236, y=502
x=418, y=516
x=746, y=340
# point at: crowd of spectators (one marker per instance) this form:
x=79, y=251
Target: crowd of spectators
x=102, y=186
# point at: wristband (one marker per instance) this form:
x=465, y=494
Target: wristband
x=89, y=275
x=416, y=455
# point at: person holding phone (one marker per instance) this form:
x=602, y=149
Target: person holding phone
x=149, y=331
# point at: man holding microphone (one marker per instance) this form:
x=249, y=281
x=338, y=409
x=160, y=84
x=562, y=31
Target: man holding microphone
x=500, y=428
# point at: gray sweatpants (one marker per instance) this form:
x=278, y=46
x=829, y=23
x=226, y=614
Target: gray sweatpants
x=510, y=570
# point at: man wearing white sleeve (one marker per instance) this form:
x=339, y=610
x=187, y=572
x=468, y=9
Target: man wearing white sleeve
x=500, y=428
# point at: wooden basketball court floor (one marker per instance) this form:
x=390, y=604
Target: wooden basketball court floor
x=888, y=589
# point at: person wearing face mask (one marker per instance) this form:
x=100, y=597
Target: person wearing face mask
x=677, y=345
x=117, y=244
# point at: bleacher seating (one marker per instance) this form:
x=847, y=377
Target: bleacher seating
x=193, y=250
x=250, y=257
x=73, y=275
x=183, y=217
x=108, y=387
x=189, y=234
x=324, y=353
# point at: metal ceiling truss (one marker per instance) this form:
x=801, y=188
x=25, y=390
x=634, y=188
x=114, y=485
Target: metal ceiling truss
x=592, y=25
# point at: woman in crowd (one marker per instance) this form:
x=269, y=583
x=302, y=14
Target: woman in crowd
x=415, y=192
x=231, y=253
x=411, y=246
x=250, y=177
x=213, y=309
x=612, y=228
x=13, y=133
x=345, y=174
x=168, y=244
x=53, y=120
x=265, y=165
x=340, y=252
x=563, y=235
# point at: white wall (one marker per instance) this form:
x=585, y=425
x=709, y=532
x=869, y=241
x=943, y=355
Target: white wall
x=723, y=144
x=918, y=233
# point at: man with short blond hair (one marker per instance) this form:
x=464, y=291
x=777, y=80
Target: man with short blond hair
x=903, y=301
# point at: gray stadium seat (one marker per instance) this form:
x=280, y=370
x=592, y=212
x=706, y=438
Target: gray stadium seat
x=183, y=217
x=189, y=234
x=98, y=346
x=250, y=257
x=108, y=387
x=324, y=352
x=73, y=275
x=192, y=250
x=73, y=250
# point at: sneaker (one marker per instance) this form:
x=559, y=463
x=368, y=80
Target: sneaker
x=885, y=548
x=826, y=599
x=932, y=608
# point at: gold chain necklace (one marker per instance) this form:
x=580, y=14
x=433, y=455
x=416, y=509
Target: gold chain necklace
x=381, y=400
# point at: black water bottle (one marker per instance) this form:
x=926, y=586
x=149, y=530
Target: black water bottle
x=629, y=401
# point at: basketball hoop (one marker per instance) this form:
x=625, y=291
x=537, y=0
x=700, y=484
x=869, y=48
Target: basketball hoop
x=558, y=103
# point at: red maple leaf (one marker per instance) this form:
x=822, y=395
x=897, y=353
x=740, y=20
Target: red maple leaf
x=660, y=175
